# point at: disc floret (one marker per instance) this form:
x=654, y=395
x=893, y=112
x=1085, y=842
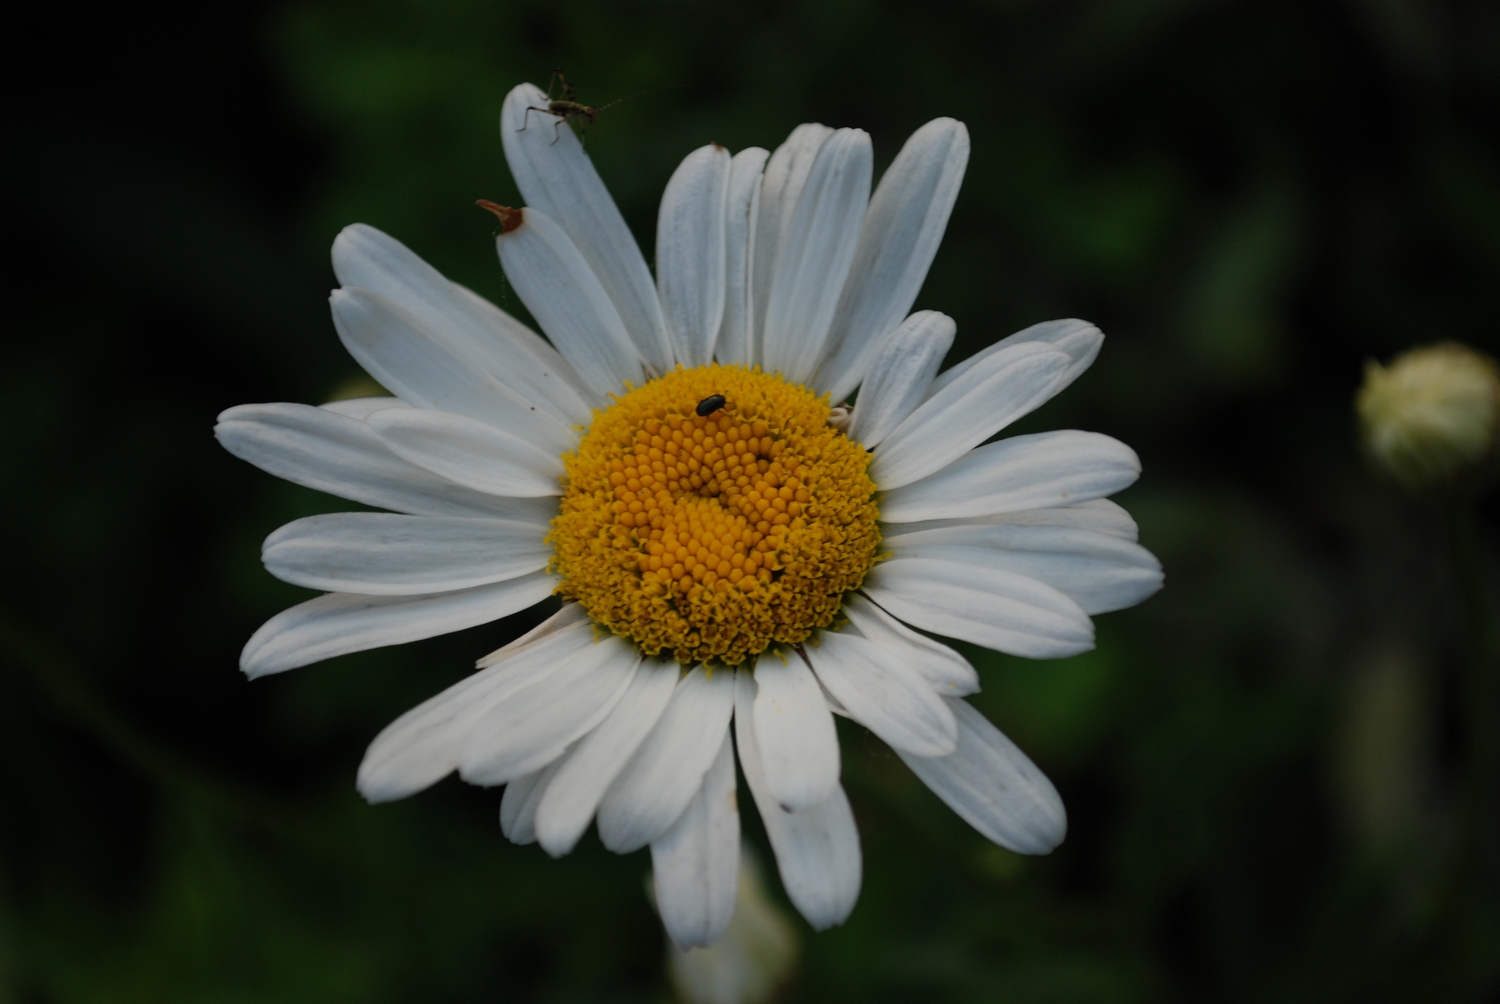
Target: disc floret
x=714, y=537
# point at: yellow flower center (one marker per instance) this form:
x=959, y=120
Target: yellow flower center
x=713, y=536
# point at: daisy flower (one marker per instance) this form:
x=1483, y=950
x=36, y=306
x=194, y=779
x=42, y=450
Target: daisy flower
x=740, y=554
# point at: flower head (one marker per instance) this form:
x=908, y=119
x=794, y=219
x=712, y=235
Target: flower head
x=1433, y=412
x=713, y=537
x=741, y=556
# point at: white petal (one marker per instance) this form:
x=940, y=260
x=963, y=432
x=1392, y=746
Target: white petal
x=575, y=793
x=422, y=746
x=390, y=345
x=513, y=805
x=518, y=806
x=949, y=673
x=780, y=187
x=1101, y=573
x=1079, y=339
x=557, y=178
x=1098, y=515
x=575, y=397
x=383, y=554
x=470, y=453
x=533, y=726
x=994, y=787
x=883, y=693
x=690, y=253
x=334, y=453
x=571, y=615
x=340, y=623
x=987, y=606
x=903, y=368
x=551, y=277
x=734, y=343
x=695, y=865
x=985, y=400
x=1044, y=470
x=900, y=236
x=817, y=849
x=794, y=732
x=461, y=321
x=814, y=252
x=834, y=705
x=665, y=772
x=362, y=408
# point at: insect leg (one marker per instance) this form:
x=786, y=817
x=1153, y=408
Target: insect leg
x=526, y=117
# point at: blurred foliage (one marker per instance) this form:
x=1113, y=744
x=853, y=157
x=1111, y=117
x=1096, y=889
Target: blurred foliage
x=1264, y=765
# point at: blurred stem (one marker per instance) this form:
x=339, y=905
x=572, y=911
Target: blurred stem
x=56, y=675
x=1481, y=697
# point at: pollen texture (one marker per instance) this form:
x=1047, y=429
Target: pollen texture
x=713, y=537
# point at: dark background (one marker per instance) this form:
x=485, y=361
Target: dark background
x=1264, y=765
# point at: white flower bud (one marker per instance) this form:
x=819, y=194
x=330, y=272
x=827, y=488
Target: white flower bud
x=1431, y=413
x=752, y=959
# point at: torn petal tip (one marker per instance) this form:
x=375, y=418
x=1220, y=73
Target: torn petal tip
x=509, y=218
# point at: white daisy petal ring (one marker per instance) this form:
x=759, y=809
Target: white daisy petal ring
x=740, y=556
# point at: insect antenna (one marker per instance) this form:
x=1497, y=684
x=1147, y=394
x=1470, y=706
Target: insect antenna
x=637, y=94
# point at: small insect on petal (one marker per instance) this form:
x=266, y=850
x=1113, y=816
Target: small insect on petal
x=710, y=404
x=509, y=218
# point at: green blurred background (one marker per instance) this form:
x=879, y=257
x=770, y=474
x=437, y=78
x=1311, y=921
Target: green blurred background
x=1264, y=765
